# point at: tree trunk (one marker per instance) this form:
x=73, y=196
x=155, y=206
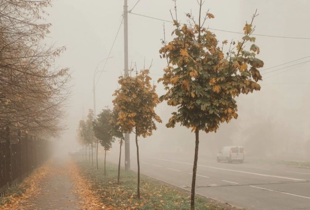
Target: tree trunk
x=97, y=154
x=105, y=164
x=85, y=152
x=119, y=161
x=194, y=170
x=8, y=157
x=89, y=155
x=138, y=163
x=92, y=154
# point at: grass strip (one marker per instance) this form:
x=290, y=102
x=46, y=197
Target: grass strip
x=154, y=194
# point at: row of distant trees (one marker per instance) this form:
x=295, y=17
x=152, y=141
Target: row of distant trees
x=32, y=90
x=201, y=80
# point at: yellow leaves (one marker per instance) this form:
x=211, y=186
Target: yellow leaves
x=136, y=102
x=184, y=53
x=174, y=80
x=216, y=88
x=170, y=47
x=243, y=67
x=212, y=77
x=158, y=119
x=212, y=50
x=194, y=74
x=255, y=86
x=167, y=70
x=247, y=29
x=172, y=103
x=31, y=185
x=185, y=85
x=220, y=56
x=90, y=200
x=7, y=101
x=212, y=81
x=210, y=16
x=236, y=64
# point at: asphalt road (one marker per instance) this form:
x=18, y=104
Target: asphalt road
x=249, y=185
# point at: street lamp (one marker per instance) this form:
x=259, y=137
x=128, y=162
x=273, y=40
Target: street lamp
x=94, y=98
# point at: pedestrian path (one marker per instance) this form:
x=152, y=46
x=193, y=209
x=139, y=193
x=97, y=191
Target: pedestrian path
x=56, y=189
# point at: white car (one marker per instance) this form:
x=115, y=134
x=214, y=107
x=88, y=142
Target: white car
x=231, y=153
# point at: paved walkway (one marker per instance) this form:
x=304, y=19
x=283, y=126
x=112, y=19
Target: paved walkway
x=56, y=191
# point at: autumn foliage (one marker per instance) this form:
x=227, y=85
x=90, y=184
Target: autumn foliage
x=202, y=80
x=135, y=101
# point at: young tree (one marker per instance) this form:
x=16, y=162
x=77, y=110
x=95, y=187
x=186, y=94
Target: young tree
x=102, y=130
x=81, y=136
x=136, y=100
x=87, y=133
x=202, y=81
x=117, y=133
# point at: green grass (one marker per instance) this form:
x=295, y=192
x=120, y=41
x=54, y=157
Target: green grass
x=154, y=194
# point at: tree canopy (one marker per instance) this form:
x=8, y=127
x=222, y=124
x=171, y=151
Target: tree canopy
x=135, y=101
x=202, y=80
x=103, y=129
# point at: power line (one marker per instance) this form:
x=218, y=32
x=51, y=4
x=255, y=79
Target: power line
x=300, y=64
x=226, y=31
x=119, y=28
x=134, y=6
x=287, y=67
x=285, y=63
x=154, y=18
x=284, y=83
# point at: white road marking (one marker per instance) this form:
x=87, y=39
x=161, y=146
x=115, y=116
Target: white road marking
x=200, y=175
x=230, y=182
x=256, y=174
x=172, y=169
x=285, y=193
x=232, y=170
x=261, y=188
x=300, y=196
x=157, y=166
x=297, y=172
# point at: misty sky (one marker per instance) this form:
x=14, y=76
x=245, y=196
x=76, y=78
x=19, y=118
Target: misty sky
x=88, y=27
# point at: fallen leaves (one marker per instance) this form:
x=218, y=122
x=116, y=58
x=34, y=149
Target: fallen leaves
x=32, y=187
x=154, y=195
x=82, y=188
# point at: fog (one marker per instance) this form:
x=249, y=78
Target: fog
x=272, y=122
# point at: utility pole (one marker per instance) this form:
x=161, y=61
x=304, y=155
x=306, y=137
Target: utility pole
x=127, y=137
x=95, y=116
